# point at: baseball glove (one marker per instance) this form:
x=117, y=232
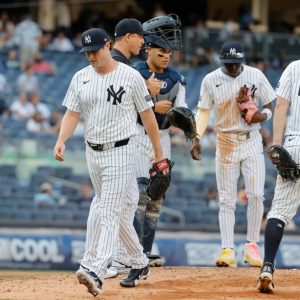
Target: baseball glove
x=246, y=104
x=184, y=119
x=160, y=176
x=286, y=166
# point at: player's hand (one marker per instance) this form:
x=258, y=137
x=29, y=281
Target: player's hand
x=164, y=166
x=196, y=150
x=153, y=85
x=163, y=106
x=58, y=151
x=257, y=118
x=243, y=113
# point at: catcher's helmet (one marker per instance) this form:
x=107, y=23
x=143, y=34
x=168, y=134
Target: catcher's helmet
x=164, y=32
x=232, y=52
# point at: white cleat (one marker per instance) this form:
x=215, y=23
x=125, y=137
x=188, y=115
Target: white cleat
x=90, y=280
x=110, y=274
x=119, y=268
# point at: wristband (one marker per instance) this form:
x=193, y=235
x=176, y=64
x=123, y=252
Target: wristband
x=268, y=112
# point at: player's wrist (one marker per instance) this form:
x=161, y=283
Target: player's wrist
x=267, y=114
x=196, y=140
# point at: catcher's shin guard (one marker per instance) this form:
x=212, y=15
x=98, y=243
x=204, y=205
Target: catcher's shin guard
x=140, y=213
x=150, y=223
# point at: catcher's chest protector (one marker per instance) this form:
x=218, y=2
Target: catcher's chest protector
x=169, y=90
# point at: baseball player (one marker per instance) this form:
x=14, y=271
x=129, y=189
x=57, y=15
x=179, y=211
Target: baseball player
x=129, y=39
x=286, y=131
x=107, y=95
x=164, y=38
x=238, y=148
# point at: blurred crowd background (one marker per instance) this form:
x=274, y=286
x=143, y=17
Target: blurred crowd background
x=39, y=44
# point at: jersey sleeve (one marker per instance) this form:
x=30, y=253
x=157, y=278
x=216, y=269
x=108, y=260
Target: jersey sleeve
x=71, y=100
x=206, y=101
x=141, y=97
x=267, y=93
x=284, y=88
x=180, y=98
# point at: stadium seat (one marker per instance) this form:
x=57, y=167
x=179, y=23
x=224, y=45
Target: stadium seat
x=80, y=216
x=22, y=214
x=62, y=215
x=40, y=215
x=5, y=214
x=24, y=204
x=8, y=171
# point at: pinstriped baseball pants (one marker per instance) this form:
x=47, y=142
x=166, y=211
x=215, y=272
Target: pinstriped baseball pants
x=287, y=193
x=144, y=160
x=112, y=174
x=234, y=155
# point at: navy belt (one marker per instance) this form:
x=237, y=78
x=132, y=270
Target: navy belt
x=102, y=147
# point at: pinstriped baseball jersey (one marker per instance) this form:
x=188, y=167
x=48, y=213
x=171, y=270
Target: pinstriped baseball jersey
x=221, y=90
x=180, y=98
x=286, y=197
x=287, y=89
x=108, y=103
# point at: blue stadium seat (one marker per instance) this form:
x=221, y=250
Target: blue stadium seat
x=42, y=215
x=63, y=172
x=5, y=214
x=24, y=205
x=8, y=205
x=68, y=206
x=22, y=214
x=62, y=215
x=8, y=171
x=80, y=216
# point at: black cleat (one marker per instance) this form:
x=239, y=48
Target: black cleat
x=135, y=276
x=265, y=281
x=90, y=280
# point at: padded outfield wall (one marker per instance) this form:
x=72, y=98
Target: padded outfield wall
x=46, y=249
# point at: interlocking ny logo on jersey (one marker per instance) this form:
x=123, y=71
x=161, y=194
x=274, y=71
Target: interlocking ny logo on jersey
x=117, y=96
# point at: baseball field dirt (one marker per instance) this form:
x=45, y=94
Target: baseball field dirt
x=165, y=283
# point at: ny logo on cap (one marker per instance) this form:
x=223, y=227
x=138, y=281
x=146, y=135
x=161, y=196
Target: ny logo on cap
x=232, y=51
x=87, y=39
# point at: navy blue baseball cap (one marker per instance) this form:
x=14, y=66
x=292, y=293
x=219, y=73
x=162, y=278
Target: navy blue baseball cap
x=232, y=52
x=129, y=26
x=93, y=39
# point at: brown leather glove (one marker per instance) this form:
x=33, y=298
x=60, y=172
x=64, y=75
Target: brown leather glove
x=246, y=105
x=196, y=149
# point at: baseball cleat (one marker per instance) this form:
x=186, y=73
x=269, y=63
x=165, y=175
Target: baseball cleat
x=110, y=274
x=119, y=268
x=155, y=260
x=265, y=281
x=90, y=280
x=135, y=276
x=251, y=255
x=226, y=259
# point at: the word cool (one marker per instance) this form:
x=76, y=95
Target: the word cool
x=30, y=250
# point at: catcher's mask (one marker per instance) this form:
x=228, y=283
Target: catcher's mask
x=164, y=32
x=232, y=52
